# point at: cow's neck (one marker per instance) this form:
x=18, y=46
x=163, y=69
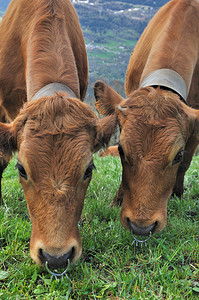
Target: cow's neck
x=52, y=88
x=50, y=56
x=169, y=79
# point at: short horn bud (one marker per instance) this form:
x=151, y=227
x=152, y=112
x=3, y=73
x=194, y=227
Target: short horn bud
x=122, y=108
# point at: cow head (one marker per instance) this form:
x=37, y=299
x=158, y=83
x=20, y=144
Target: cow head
x=156, y=130
x=55, y=138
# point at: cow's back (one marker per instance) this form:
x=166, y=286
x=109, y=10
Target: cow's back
x=169, y=41
x=16, y=30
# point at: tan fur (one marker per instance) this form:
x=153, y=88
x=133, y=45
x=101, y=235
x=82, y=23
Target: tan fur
x=112, y=150
x=42, y=43
x=155, y=124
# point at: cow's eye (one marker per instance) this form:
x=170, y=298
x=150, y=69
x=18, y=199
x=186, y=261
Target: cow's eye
x=178, y=158
x=21, y=170
x=89, y=171
x=120, y=150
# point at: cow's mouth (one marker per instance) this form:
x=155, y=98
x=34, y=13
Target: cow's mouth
x=144, y=233
x=57, y=266
x=57, y=275
x=139, y=241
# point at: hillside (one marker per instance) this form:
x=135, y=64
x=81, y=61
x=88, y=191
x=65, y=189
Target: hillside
x=109, y=3
x=111, y=32
x=111, y=29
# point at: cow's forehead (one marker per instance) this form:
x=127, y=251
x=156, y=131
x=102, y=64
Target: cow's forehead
x=149, y=142
x=68, y=155
x=153, y=104
x=145, y=117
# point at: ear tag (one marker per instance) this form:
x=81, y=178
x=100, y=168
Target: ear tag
x=99, y=105
x=2, y=152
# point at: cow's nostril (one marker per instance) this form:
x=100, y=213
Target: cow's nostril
x=144, y=231
x=56, y=262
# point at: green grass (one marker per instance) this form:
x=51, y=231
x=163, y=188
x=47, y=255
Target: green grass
x=110, y=266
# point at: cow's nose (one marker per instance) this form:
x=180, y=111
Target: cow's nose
x=141, y=230
x=56, y=262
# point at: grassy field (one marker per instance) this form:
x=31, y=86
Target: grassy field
x=110, y=266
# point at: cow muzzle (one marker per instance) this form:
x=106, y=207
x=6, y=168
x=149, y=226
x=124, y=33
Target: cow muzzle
x=55, y=262
x=56, y=255
x=143, y=231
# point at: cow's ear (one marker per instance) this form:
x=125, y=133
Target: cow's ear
x=8, y=143
x=106, y=98
x=105, y=127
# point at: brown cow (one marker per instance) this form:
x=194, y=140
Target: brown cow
x=43, y=77
x=112, y=151
x=159, y=132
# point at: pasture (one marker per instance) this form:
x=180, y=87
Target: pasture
x=110, y=266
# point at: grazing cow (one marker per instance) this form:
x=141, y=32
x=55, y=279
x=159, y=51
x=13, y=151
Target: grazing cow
x=159, y=129
x=43, y=78
x=112, y=150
